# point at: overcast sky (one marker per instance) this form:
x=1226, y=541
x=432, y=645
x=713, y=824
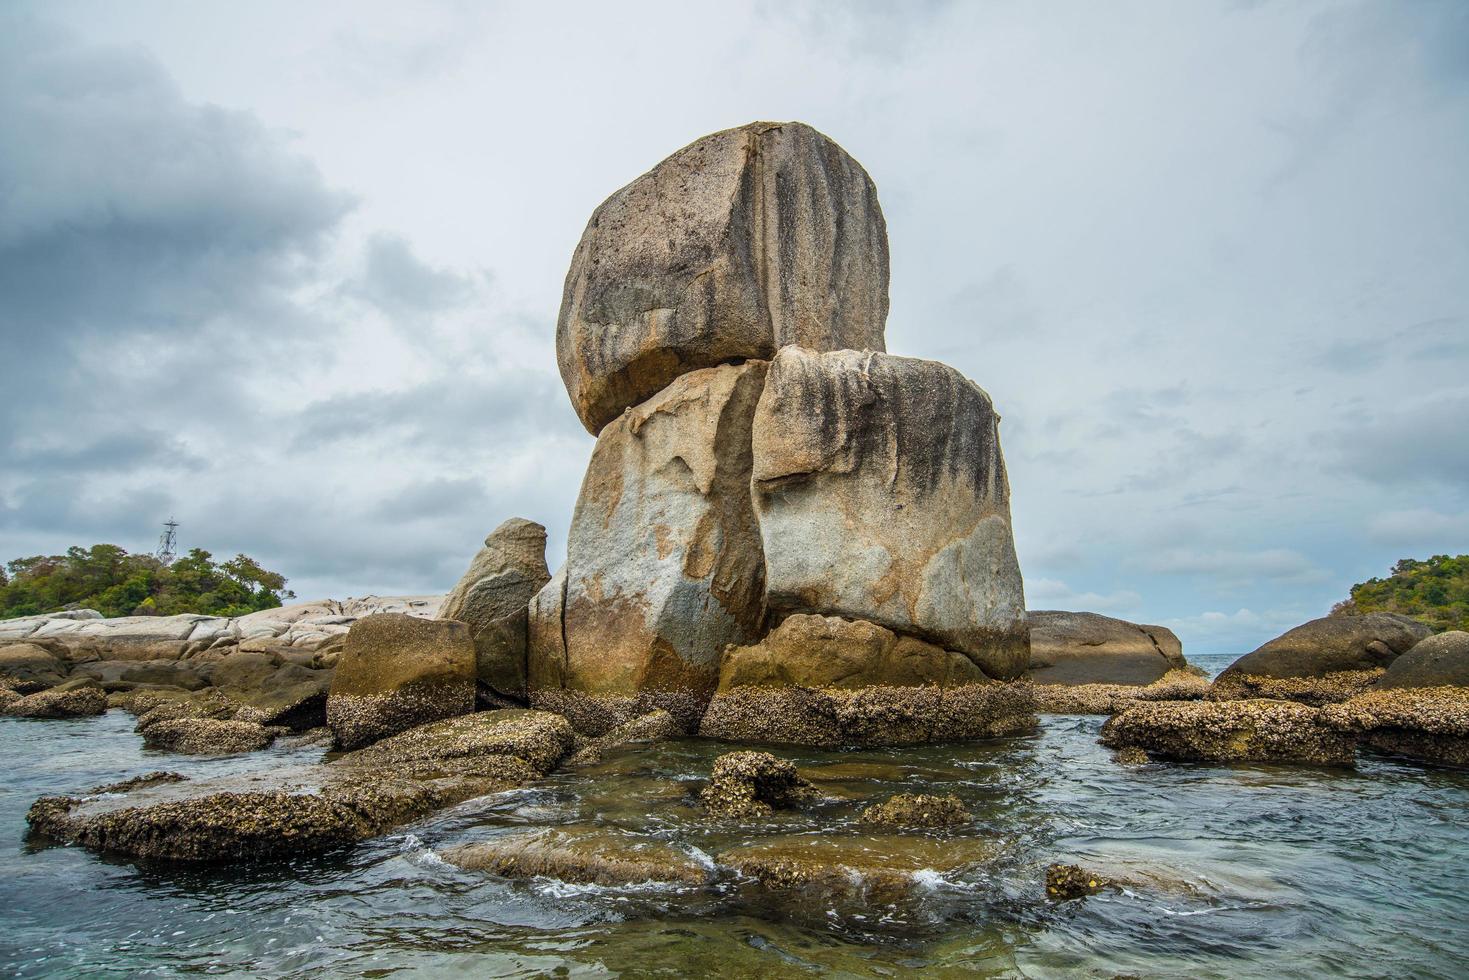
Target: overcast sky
x=290, y=272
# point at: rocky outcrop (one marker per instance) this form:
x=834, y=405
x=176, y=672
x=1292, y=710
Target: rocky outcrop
x=879, y=715
x=1105, y=699
x=917, y=810
x=492, y=600
x=663, y=565
x=1324, y=659
x=398, y=672
x=283, y=813
x=206, y=736
x=581, y=855
x=27, y=668
x=79, y=697
x=1425, y=723
x=276, y=691
x=1439, y=661
x=655, y=726
x=1088, y=648
x=1230, y=731
x=881, y=495
x=740, y=243
x=753, y=784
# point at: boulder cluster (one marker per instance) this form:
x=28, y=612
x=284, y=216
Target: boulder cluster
x=763, y=467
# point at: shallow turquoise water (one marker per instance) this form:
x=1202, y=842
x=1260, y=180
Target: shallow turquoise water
x=1233, y=872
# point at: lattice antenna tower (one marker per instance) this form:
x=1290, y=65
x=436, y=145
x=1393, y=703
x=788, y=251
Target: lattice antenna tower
x=167, y=542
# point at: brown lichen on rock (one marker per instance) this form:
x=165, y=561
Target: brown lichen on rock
x=1428, y=723
x=1106, y=699
x=1131, y=755
x=1230, y=731
x=1068, y=881
x=753, y=784
x=1331, y=688
x=917, y=810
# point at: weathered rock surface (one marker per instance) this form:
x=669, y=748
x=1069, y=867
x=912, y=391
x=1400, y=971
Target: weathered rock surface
x=873, y=868
x=663, y=565
x=881, y=495
x=27, y=668
x=1105, y=699
x=1088, y=648
x=655, y=726
x=398, y=672
x=206, y=736
x=1333, y=687
x=869, y=716
x=917, y=810
x=1426, y=723
x=807, y=650
x=740, y=243
x=79, y=697
x=278, y=692
x=1068, y=881
x=1329, y=645
x=753, y=784
x=492, y=600
x=1230, y=731
x=285, y=813
x=1439, y=661
x=581, y=855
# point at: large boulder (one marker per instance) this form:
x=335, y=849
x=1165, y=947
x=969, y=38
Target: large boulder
x=398, y=672
x=277, y=691
x=738, y=244
x=1439, y=661
x=1088, y=648
x=1324, y=661
x=881, y=495
x=28, y=668
x=663, y=566
x=492, y=600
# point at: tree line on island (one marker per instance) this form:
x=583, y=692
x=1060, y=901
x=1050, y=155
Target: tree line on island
x=108, y=579
x=1434, y=591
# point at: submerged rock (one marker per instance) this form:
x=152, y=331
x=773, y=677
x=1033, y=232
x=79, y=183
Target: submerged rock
x=1075, y=648
x=1068, y=881
x=872, y=868
x=288, y=812
x=206, y=736
x=1428, y=723
x=753, y=784
x=1106, y=699
x=882, y=496
x=492, y=600
x=917, y=810
x=1230, y=731
x=869, y=716
x=79, y=697
x=1132, y=756
x=398, y=672
x=742, y=242
x=581, y=855
x=1325, y=658
x=663, y=565
x=1439, y=661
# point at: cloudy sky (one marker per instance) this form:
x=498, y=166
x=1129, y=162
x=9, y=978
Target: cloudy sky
x=290, y=272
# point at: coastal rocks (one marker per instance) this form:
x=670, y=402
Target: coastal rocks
x=869, y=716
x=1106, y=699
x=874, y=869
x=1087, y=648
x=1230, y=731
x=276, y=691
x=1333, y=650
x=655, y=726
x=1430, y=724
x=741, y=243
x=881, y=495
x=286, y=813
x=917, y=810
x=753, y=784
x=492, y=598
x=79, y=697
x=398, y=672
x=1439, y=661
x=581, y=855
x=27, y=668
x=206, y=736
x=664, y=566
x=1068, y=881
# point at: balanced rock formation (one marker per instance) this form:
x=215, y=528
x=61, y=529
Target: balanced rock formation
x=663, y=565
x=881, y=495
x=740, y=243
x=1324, y=661
x=1088, y=648
x=398, y=672
x=492, y=600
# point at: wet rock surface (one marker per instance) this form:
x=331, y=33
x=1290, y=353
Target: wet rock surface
x=655, y=726
x=398, y=672
x=752, y=784
x=917, y=810
x=1068, y=881
x=77, y=698
x=581, y=855
x=1330, y=688
x=1428, y=723
x=1106, y=699
x=1230, y=731
x=207, y=736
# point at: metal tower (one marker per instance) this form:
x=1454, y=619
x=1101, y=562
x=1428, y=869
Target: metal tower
x=167, y=542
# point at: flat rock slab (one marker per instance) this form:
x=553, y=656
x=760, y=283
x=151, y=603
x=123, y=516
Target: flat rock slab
x=1230, y=731
x=740, y=243
x=582, y=855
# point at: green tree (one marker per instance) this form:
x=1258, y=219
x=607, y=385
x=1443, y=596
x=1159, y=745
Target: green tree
x=1434, y=591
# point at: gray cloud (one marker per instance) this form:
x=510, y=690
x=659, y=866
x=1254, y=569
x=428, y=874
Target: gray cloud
x=1405, y=445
